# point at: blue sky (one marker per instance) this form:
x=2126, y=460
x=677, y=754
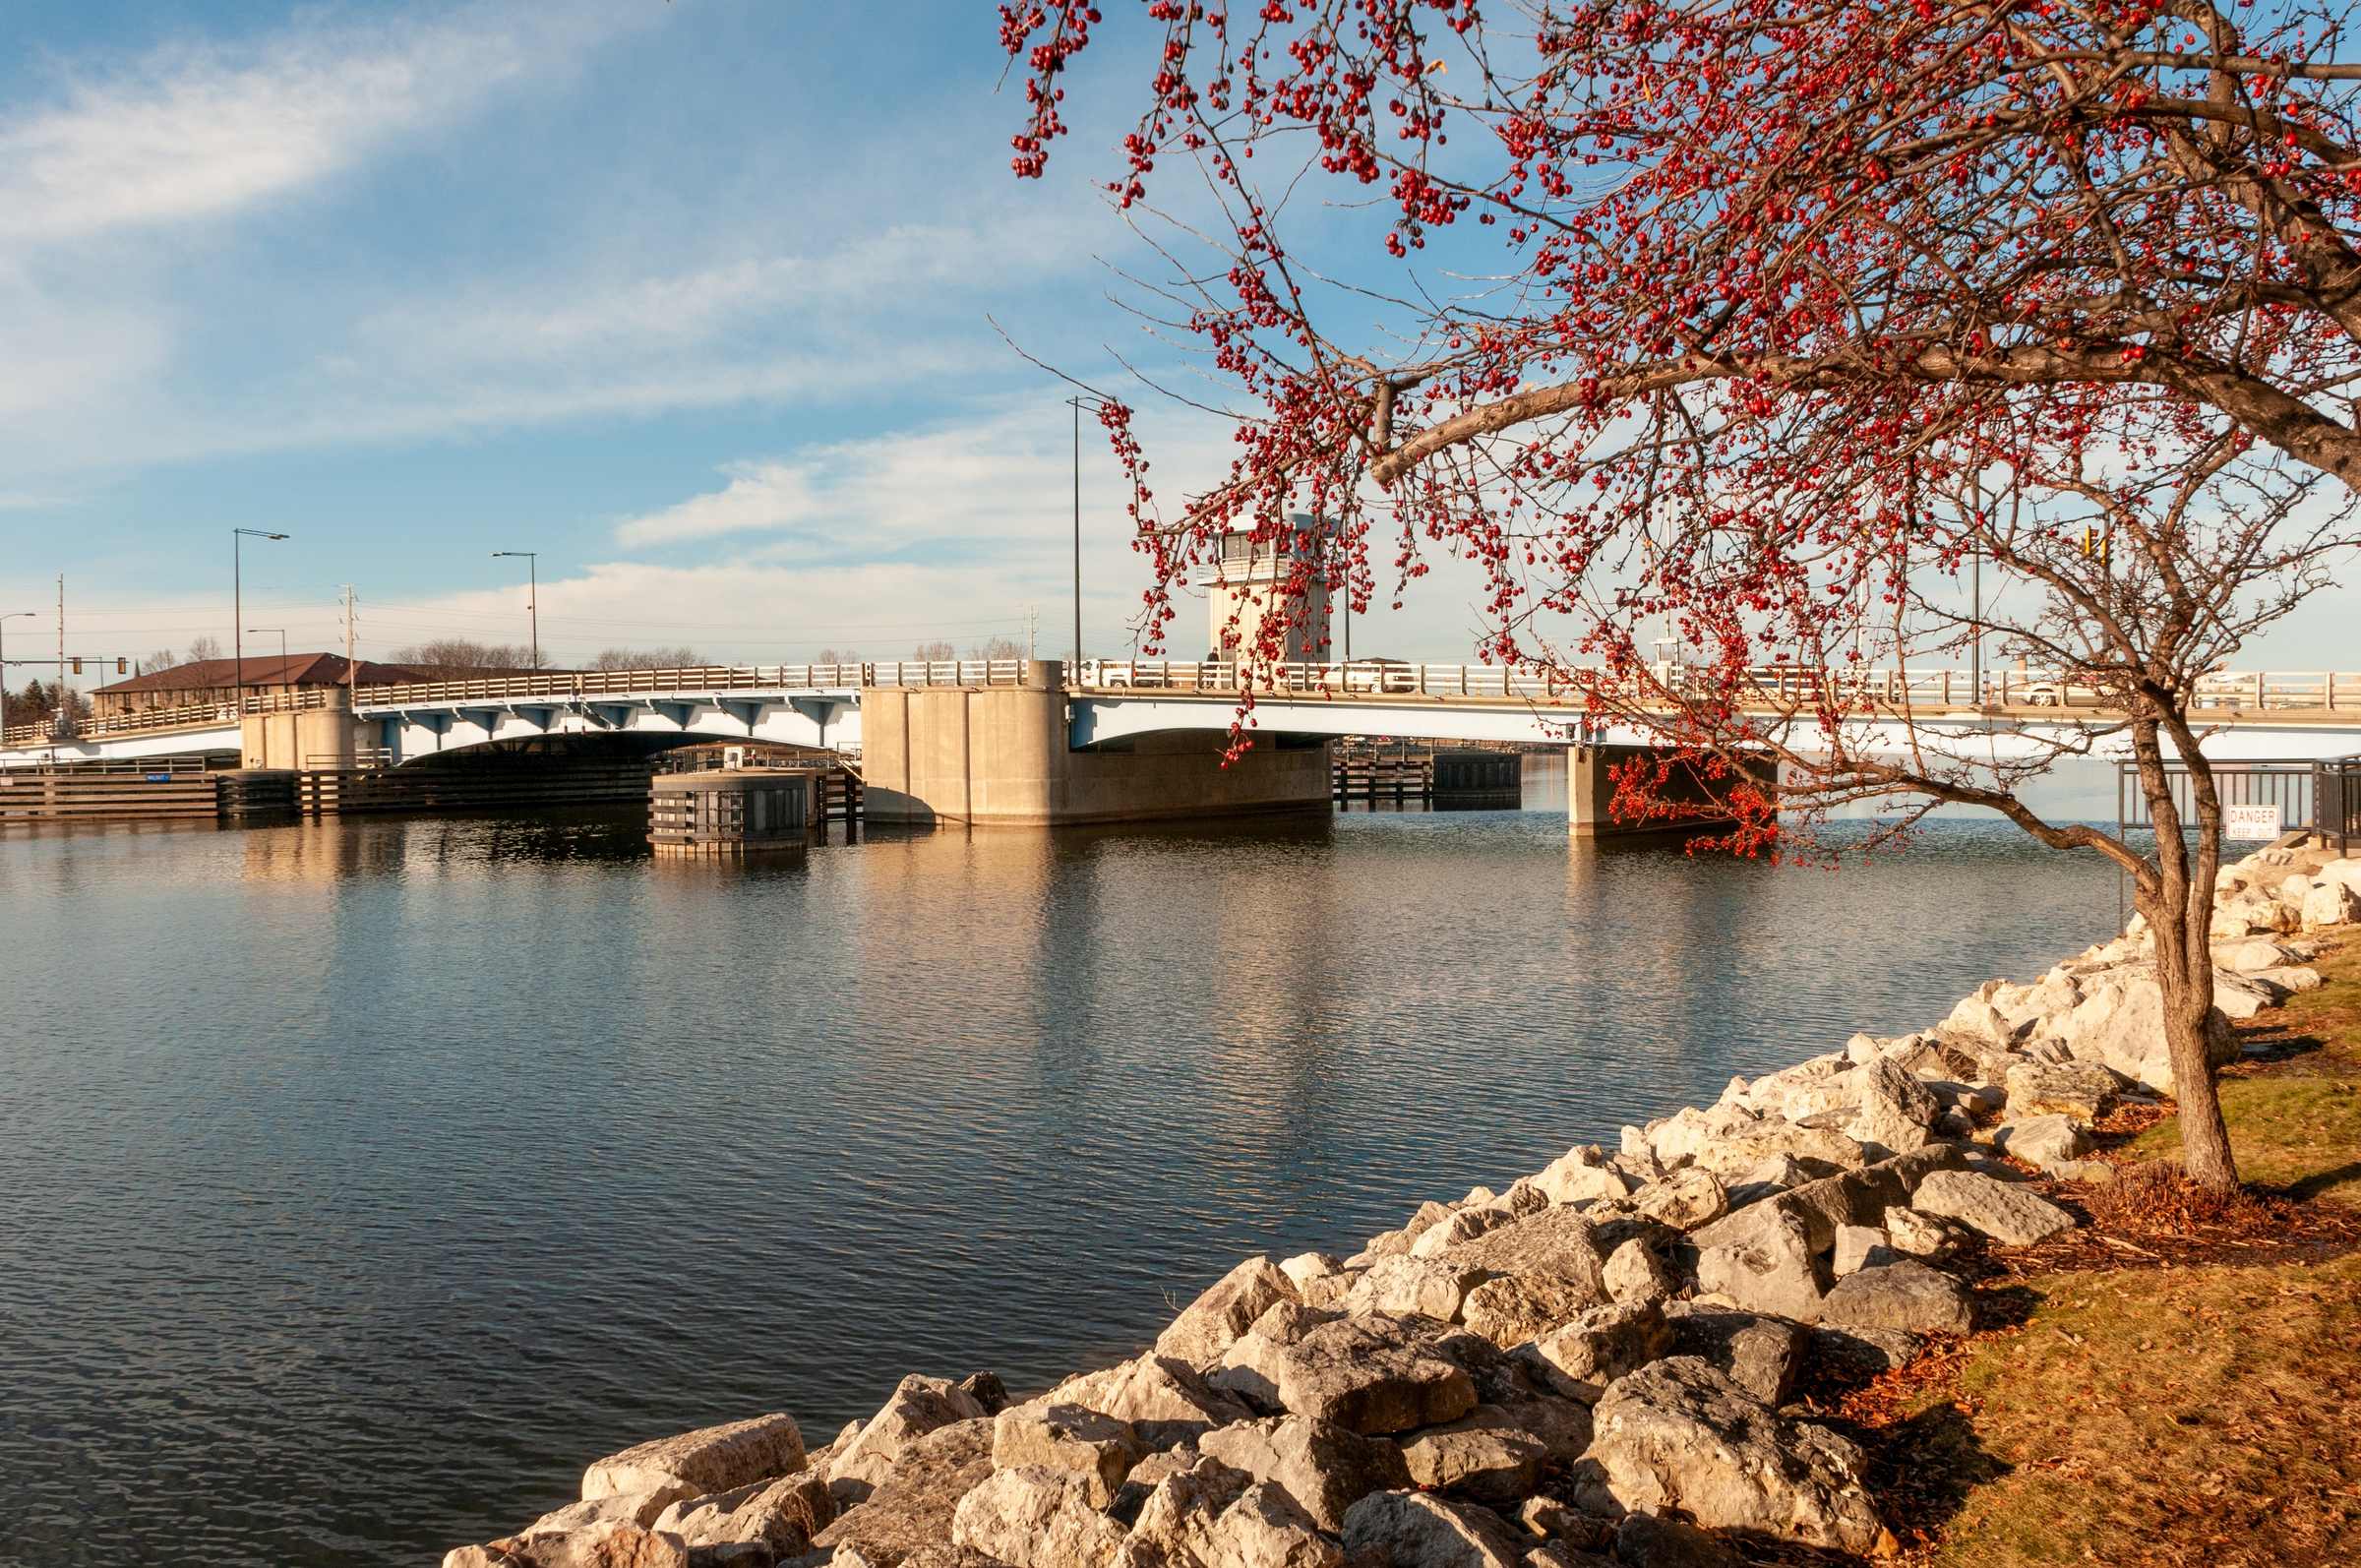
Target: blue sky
x=689, y=298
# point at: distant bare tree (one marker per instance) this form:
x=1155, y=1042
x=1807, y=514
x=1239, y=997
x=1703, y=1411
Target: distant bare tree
x=833, y=656
x=457, y=658
x=936, y=652
x=996, y=647
x=201, y=649
x=648, y=659
x=160, y=659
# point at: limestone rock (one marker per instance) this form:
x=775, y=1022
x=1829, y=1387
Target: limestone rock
x=2083, y=1090
x=711, y=1459
x=1924, y=1236
x=1760, y=1354
x=1514, y=1307
x=1580, y=1360
x=1771, y=1270
x=1305, y=1267
x=1372, y=1372
x=1098, y=1448
x=919, y=1405
x=913, y=1506
x=1036, y=1517
x=1207, y=1325
x=1904, y=1294
x=1322, y=1466
x=641, y=1508
x=1433, y=1286
x=781, y=1516
x=2008, y=1215
x=1215, y=1516
x=1683, y=1200
x=1678, y=1434
x=1557, y=1240
x=1421, y=1530
x=2332, y=904
x=1743, y=1150
x=942, y=1554
x=1165, y=1399
x=1464, y=1225
x=2043, y=1142
x=1582, y=1173
x=1634, y=1273
x=1895, y=1108
x=1854, y=1243
x=2287, y=980
x=1865, y=1349
x=607, y=1544
x=1644, y=1541
x=1484, y=1455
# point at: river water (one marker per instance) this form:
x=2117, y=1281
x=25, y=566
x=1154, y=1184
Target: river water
x=361, y=1180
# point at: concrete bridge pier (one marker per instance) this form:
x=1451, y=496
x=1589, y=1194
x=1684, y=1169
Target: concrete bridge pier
x=997, y=755
x=1591, y=793
x=313, y=737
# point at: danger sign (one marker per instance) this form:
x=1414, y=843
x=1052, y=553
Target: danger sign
x=2249, y=822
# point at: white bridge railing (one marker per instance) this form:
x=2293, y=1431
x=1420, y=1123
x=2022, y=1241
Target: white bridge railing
x=2220, y=694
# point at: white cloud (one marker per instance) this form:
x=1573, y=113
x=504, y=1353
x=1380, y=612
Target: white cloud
x=193, y=131
x=760, y=495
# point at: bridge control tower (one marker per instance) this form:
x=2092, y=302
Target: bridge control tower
x=1247, y=587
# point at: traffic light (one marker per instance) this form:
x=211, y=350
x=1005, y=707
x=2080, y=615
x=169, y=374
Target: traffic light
x=77, y=666
x=2094, y=545
x=122, y=666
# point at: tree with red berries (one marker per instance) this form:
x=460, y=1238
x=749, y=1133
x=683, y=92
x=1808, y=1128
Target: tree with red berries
x=1800, y=316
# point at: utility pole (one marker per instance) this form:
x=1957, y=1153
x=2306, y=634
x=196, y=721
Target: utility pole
x=532, y=603
x=60, y=715
x=1032, y=629
x=352, y=668
x=1075, y=673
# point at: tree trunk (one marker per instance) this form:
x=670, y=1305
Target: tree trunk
x=2179, y=906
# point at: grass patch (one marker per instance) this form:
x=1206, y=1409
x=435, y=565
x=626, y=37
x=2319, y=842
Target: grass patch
x=2168, y=1417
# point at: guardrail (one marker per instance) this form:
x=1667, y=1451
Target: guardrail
x=702, y=678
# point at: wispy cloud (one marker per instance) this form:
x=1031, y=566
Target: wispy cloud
x=191, y=132
x=765, y=495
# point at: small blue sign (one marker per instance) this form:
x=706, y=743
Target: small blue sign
x=159, y=778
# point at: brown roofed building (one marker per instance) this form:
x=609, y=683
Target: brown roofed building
x=214, y=680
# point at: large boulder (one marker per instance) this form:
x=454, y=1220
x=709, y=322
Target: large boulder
x=1167, y=1400
x=913, y=1506
x=1902, y=1295
x=1421, y=1529
x=1676, y=1434
x=1580, y=1360
x=1098, y=1448
x=1558, y=1241
x=1683, y=1200
x=2009, y=1215
x=1036, y=1517
x=1581, y=1175
x=1758, y=1353
x=2120, y=1024
x=919, y=1405
x=2047, y=1143
x=1464, y=1225
x=1371, y=1372
x=1514, y=1307
x=1486, y=1454
x=1208, y=1325
x=1322, y=1465
x=1867, y=1350
x=1772, y=1137
x=2083, y=1090
x=1216, y=1516
x=1634, y=1273
x=1430, y=1286
x=1769, y=1269
x=608, y=1543
x=1896, y=1109
x=711, y=1459
x=2334, y=903
x=779, y=1515
x=1849, y=1197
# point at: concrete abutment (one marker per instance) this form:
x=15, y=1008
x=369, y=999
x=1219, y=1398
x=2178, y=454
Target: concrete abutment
x=997, y=755
x=1590, y=792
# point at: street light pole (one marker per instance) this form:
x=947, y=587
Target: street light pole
x=532, y=601
x=283, y=645
x=237, y=607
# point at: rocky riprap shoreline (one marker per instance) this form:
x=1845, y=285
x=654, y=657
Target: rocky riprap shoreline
x=1597, y=1364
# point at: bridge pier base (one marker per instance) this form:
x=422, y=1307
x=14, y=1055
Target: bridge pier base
x=997, y=757
x=320, y=737
x=1591, y=793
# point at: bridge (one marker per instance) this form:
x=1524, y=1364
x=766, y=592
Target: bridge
x=1110, y=743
